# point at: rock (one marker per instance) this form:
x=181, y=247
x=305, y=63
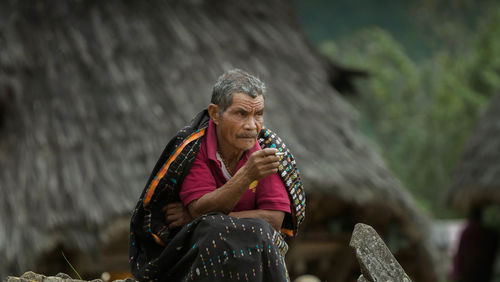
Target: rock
x=63, y=275
x=16, y=279
x=361, y=278
x=376, y=261
x=54, y=279
x=30, y=275
x=307, y=278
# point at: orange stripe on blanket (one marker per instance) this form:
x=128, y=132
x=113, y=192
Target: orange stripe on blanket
x=158, y=240
x=287, y=232
x=163, y=170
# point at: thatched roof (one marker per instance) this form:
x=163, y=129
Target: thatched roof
x=476, y=179
x=97, y=89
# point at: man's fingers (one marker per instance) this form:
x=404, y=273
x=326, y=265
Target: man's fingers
x=267, y=159
x=174, y=205
x=273, y=158
x=269, y=166
x=263, y=163
x=176, y=215
x=269, y=151
x=175, y=210
x=173, y=218
x=273, y=170
x=268, y=171
x=265, y=152
x=174, y=224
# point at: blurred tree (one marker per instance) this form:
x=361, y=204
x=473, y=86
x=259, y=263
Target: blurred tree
x=450, y=23
x=420, y=113
x=324, y=19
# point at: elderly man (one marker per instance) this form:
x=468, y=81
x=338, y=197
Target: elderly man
x=239, y=191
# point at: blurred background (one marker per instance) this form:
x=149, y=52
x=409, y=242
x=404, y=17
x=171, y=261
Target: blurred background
x=391, y=108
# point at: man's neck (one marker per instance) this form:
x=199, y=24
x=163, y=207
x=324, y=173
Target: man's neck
x=228, y=153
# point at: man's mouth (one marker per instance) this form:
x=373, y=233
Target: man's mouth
x=247, y=136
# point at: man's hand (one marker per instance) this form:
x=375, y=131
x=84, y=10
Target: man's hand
x=176, y=215
x=223, y=199
x=262, y=163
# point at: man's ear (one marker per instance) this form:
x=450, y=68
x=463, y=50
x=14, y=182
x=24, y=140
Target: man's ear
x=213, y=112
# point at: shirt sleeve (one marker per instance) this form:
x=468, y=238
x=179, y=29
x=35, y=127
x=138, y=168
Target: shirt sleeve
x=271, y=194
x=198, y=182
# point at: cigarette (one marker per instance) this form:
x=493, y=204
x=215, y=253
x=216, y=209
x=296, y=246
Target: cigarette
x=279, y=154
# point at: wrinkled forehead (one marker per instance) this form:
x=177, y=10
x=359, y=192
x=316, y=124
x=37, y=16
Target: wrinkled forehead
x=247, y=102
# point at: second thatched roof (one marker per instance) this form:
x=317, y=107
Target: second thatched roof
x=476, y=180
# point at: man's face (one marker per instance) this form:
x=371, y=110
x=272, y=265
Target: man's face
x=241, y=122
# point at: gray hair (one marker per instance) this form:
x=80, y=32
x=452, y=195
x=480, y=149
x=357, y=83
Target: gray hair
x=235, y=81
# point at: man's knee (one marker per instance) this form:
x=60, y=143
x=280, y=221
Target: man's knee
x=225, y=224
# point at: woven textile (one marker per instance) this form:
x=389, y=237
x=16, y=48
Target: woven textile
x=151, y=239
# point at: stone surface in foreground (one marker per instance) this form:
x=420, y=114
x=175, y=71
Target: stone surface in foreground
x=61, y=277
x=376, y=261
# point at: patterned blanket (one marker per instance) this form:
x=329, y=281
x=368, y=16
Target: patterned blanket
x=152, y=255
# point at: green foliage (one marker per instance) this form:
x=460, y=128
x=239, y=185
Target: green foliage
x=491, y=217
x=451, y=23
x=421, y=113
x=487, y=59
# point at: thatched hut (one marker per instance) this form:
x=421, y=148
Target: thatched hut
x=476, y=179
x=475, y=190
x=93, y=91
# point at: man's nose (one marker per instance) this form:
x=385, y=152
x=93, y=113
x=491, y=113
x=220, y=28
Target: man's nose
x=251, y=123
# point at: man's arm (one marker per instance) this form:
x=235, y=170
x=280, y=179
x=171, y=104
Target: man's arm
x=223, y=199
x=176, y=215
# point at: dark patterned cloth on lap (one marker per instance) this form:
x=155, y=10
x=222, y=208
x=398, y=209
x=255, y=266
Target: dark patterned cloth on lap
x=217, y=247
x=214, y=247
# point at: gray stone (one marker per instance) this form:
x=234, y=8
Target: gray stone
x=54, y=279
x=60, y=277
x=30, y=275
x=361, y=278
x=376, y=261
x=63, y=275
x=16, y=279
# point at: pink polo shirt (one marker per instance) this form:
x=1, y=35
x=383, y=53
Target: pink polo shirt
x=206, y=175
